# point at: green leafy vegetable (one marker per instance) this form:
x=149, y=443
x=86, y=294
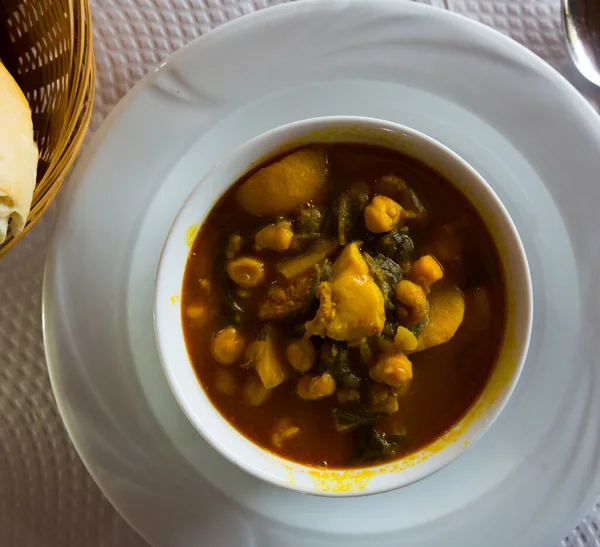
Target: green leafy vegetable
x=396, y=244
x=389, y=329
x=375, y=445
x=309, y=222
x=359, y=194
x=349, y=209
x=344, y=218
x=417, y=328
x=366, y=355
x=334, y=359
x=232, y=309
x=347, y=419
x=310, y=297
x=325, y=270
x=386, y=274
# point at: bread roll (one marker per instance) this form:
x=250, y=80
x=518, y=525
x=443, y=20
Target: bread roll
x=18, y=156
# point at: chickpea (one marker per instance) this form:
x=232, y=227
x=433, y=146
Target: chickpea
x=393, y=369
x=225, y=382
x=301, y=354
x=246, y=271
x=405, y=340
x=426, y=271
x=255, y=393
x=315, y=387
x=206, y=286
x=234, y=245
x=277, y=236
x=412, y=295
x=197, y=312
x=383, y=214
x=284, y=431
x=227, y=346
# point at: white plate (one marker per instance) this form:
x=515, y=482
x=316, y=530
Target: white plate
x=520, y=124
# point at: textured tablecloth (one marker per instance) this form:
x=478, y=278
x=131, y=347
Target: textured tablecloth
x=47, y=499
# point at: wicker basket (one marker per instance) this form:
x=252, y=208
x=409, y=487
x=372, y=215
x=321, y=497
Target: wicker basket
x=47, y=46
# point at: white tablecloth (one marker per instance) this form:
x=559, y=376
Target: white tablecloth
x=47, y=499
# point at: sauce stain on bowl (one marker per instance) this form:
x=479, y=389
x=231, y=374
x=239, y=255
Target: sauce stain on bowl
x=191, y=233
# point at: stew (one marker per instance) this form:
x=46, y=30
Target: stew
x=343, y=305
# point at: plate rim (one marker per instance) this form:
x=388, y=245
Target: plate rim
x=220, y=32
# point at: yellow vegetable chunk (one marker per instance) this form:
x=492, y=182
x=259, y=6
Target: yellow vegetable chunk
x=446, y=312
x=351, y=305
x=393, y=369
x=426, y=271
x=276, y=236
x=283, y=186
x=382, y=214
x=270, y=368
x=227, y=346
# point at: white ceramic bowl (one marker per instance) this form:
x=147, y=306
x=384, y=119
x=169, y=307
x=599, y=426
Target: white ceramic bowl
x=188, y=391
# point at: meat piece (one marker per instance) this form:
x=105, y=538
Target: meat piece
x=351, y=304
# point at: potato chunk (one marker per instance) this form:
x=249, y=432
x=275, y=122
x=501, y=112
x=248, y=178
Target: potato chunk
x=270, y=368
x=446, y=312
x=283, y=186
x=351, y=304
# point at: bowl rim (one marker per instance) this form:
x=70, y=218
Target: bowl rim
x=310, y=124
